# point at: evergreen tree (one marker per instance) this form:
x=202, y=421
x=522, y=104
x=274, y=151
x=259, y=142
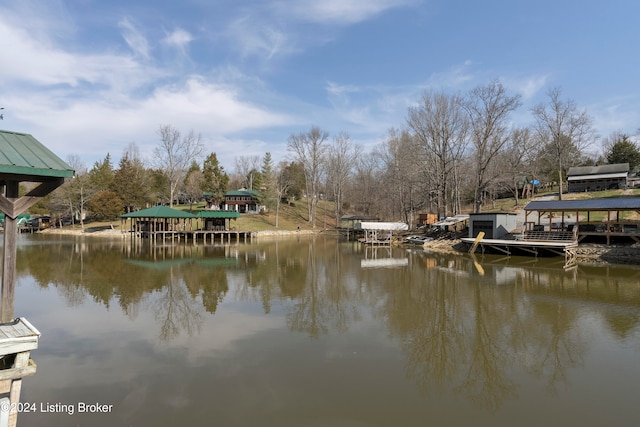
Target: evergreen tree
x=106, y=205
x=623, y=150
x=131, y=183
x=268, y=183
x=101, y=175
x=216, y=180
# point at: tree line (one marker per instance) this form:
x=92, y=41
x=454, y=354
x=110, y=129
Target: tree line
x=454, y=150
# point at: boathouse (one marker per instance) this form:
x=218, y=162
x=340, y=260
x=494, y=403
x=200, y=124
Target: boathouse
x=158, y=219
x=494, y=225
x=217, y=220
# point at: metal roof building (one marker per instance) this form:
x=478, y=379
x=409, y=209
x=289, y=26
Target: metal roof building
x=602, y=204
x=617, y=222
x=595, y=178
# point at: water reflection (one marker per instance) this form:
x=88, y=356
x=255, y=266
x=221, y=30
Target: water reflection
x=477, y=329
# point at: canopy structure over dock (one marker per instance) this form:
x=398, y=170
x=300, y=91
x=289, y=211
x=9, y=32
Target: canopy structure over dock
x=158, y=219
x=218, y=220
x=587, y=216
x=165, y=222
x=379, y=233
x=22, y=159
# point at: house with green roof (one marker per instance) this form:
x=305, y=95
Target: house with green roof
x=243, y=201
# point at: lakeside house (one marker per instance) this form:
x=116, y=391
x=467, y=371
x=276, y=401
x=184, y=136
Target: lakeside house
x=243, y=201
x=597, y=178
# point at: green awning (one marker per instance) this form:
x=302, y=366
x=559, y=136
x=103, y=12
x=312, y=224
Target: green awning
x=219, y=214
x=23, y=156
x=159, y=212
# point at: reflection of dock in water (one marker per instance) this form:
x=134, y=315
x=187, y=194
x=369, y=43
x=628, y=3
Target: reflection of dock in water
x=565, y=248
x=372, y=258
x=384, y=263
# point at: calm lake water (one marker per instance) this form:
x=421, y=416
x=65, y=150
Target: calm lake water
x=319, y=332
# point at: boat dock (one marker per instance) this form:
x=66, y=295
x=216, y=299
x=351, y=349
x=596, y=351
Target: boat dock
x=532, y=243
x=195, y=236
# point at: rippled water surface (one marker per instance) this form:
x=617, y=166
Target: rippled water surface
x=320, y=332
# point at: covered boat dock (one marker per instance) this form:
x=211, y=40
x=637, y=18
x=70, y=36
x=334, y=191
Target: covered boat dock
x=606, y=218
x=379, y=233
x=163, y=222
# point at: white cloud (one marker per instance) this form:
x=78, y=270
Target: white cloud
x=256, y=37
x=134, y=38
x=528, y=87
x=178, y=39
x=339, y=11
x=92, y=104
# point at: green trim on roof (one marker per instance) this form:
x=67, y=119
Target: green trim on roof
x=218, y=214
x=22, y=154
x=158, y=212
x=241, y=193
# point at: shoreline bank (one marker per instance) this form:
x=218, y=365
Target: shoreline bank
x=589, y=253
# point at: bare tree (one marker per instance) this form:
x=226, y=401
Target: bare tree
x=175, y=154
x=441, y=127
x=309, y=149
x=366, y=184
x=248, y=167
x=193, y=184
x=564, y=131
x=282, y=183
x=340, y=160
x=401, y=175
x=78, y=190
x=488, y=108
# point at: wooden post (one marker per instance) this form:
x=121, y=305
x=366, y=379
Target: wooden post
x=9, y=258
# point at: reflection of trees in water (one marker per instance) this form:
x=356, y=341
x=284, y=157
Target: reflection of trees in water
x=176, y=309
x=178, y=285
x=324, y=300
x=468, y=334
x=554, y=344
x=486, y=381
x=309, y=273
x=460, y=331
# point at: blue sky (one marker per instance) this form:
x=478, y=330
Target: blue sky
x=88, y=77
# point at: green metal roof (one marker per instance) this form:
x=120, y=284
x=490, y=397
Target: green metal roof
x=158, y=212
x=218, y=214
x=23, y=155
x=241, y=193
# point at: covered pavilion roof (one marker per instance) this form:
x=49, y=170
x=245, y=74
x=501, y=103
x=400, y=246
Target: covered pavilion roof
x=602, y=204
x=159, y=212
x=24, y=158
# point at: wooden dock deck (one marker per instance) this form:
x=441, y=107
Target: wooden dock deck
x=558, y=246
